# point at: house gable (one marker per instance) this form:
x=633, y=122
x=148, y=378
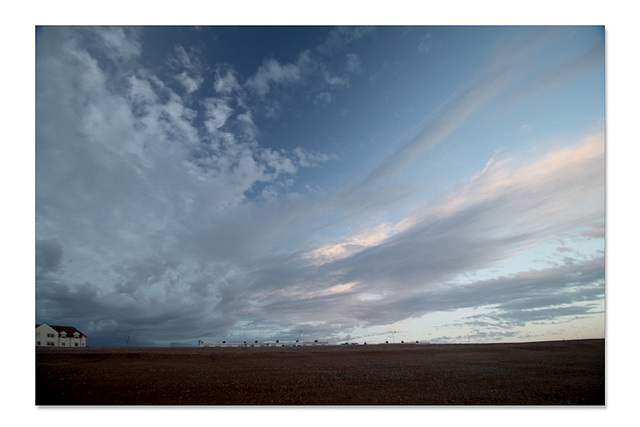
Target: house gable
x=69, y=330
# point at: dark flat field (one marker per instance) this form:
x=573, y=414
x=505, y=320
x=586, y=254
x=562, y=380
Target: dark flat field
x=543, y=373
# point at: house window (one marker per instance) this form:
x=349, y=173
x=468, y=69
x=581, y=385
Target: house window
x=76, y=344
x=38, y=342
x=62, y=344
x=50, y=343
x=49, y=335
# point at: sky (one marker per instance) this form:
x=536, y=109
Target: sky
x=363, y=184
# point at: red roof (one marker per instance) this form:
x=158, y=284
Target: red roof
x=70, y=330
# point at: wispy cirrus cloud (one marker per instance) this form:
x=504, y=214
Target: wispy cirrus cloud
x=442, y=123
x=503, y=71
x=383, y=277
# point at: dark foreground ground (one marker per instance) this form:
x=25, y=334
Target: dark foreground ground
x=545, y=373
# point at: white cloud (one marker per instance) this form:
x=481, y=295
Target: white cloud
x=426, y=43
x=340, y=37
x=323, y=99
x=354, y=64
x=248, y=129
x=271, y=72
x=308, y=158
x=336, y=81
x=188, y=61
x=188, y=69
x=558, y=182
x=349, y=245
x=117, y=42
x=190, y=84
x=278, y=162
x=217, y=112
x=269, y=192
x=226, y=84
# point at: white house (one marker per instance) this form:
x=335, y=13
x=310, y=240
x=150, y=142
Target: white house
x=59, y=336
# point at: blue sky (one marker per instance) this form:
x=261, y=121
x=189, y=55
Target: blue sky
x=445, y=184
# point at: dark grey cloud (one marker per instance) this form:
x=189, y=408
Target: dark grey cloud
x=48, y=257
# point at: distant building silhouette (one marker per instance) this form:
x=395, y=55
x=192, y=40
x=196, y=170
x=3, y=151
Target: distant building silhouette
x=257, y=343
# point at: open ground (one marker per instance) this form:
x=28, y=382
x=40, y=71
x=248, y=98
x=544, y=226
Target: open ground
x=541, y=373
